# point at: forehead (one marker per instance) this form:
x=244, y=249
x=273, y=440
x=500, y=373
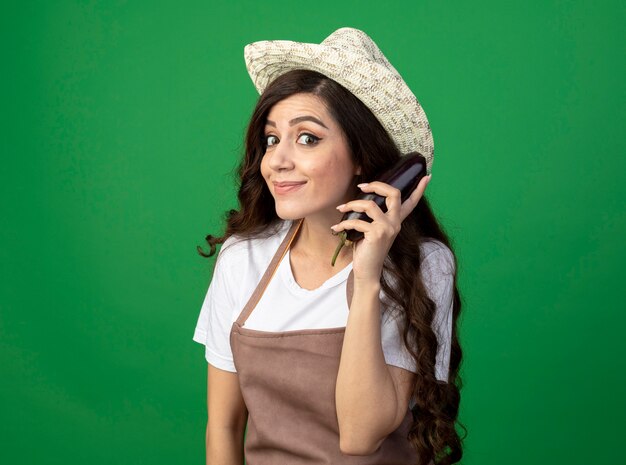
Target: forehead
x=299, y=105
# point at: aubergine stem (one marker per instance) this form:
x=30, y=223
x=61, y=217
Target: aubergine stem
x=342, y=241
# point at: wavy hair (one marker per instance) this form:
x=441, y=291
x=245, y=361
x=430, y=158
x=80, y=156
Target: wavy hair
x=432, y=432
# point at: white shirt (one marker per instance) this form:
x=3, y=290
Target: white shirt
x=285, y=306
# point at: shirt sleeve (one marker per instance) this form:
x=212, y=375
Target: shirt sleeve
x=437, y=271
x=216, y=315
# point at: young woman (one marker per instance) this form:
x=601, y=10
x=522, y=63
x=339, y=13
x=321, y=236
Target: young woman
x=355, y=363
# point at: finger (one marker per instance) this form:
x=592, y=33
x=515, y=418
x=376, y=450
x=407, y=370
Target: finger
x=380, y=188
x=359, y=225
x=410, y=203
x=374, y=231
x=368, y=206
x=392, y=194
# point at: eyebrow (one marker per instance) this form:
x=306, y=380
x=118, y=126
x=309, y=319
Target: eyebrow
x=298, y=120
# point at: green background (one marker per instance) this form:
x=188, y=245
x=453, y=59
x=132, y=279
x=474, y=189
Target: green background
x=121, y=125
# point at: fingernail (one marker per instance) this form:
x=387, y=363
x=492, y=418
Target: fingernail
x=333, y=227
x=339, y=206
x=363, y=184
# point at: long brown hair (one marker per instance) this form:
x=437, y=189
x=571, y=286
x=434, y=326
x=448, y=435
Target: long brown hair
x=432, y=432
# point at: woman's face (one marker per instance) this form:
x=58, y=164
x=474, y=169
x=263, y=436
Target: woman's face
x=305, y=145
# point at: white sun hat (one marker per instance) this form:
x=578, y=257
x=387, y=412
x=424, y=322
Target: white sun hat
x=351, y=58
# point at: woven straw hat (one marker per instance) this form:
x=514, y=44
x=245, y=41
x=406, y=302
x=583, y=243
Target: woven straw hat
x=351, y=58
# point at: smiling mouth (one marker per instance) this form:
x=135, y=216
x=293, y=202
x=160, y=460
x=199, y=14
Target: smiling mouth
x=288, y=188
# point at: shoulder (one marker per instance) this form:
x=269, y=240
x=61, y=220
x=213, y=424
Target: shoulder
x=252, y=251
x=241, y=262
x=437, y=270
x=437, y=257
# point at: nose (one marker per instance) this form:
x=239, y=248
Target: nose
x=280, y=157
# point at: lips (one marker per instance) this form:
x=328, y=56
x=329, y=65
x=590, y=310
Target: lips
x=287, y=186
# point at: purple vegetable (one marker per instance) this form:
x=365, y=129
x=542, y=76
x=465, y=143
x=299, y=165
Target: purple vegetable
x=405, y=175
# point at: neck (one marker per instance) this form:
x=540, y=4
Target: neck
x=315, y=240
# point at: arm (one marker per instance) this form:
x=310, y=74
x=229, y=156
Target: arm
x=372, y=397
x=227, y=416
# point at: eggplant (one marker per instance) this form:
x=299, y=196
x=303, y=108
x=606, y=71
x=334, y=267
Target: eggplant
x=405, y=175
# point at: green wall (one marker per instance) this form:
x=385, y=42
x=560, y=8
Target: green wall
x=121, y=125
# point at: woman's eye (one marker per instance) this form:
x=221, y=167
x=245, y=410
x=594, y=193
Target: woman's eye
x=309, y=139
x=269, y=141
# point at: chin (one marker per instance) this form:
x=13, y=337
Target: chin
x=312, y=214
x=291, y=211
x=288, y=215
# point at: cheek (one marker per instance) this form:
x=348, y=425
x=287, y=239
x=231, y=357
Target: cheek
x=332, y=176
x=341, y=169
x=321, y=170
x=326, y=176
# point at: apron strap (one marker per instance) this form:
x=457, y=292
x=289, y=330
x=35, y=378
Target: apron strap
x=350, y=288
x=269, y=272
